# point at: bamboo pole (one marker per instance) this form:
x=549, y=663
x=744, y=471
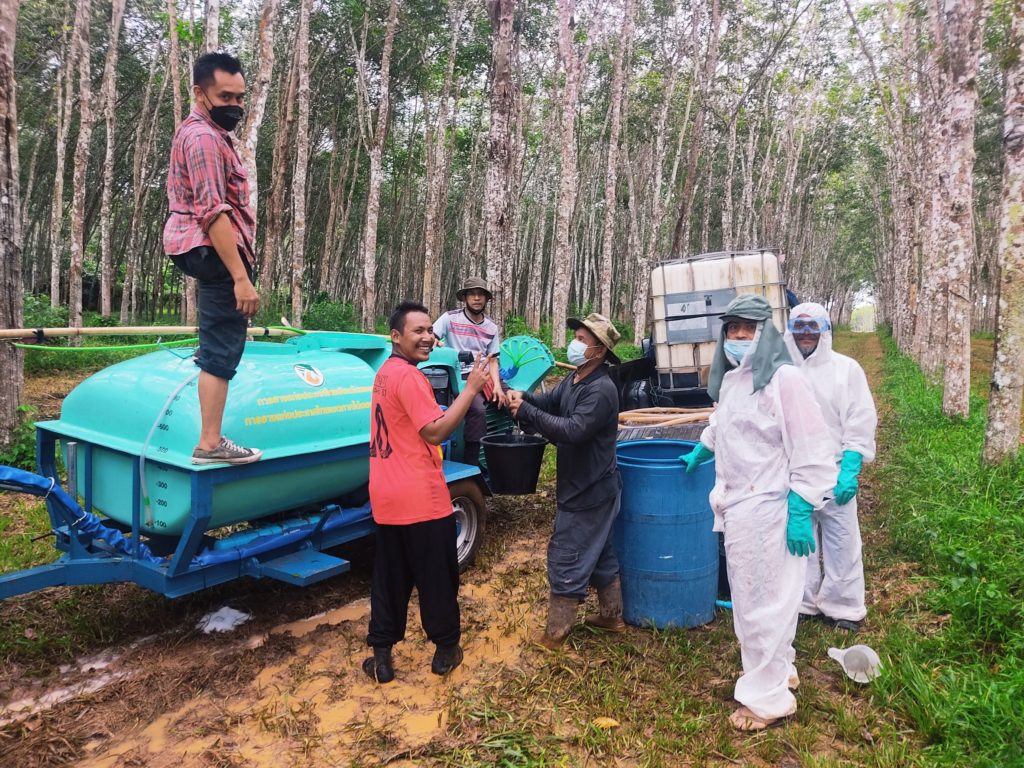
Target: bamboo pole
x=694, y=419
x=663, y=417
x=668, y=410
x=135, y=330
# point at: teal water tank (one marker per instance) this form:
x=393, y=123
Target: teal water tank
x=663, y=537
x=309, y=394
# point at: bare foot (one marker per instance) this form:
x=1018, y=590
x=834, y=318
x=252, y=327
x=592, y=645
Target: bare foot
x=745, y=720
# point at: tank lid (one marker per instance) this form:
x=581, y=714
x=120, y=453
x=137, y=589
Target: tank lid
x=717, y=255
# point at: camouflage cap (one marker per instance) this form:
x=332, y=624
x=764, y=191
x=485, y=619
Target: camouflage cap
x=602, y=328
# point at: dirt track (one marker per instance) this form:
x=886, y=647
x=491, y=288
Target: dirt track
x=273, y=692
x=315, y=705
x=285, y=689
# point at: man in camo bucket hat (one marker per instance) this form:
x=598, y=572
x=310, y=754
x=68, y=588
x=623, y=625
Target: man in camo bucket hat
x=581, y=417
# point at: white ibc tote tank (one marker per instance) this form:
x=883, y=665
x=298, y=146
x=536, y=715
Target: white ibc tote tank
x=688, y=296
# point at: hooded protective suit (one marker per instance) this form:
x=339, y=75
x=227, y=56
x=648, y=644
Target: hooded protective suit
x=835, y=583
x=766, y=443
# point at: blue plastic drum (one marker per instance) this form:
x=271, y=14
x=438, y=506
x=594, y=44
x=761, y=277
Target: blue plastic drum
x=668, y=553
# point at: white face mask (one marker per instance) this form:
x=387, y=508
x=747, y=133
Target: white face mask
x=577, y=352
x=738, y=348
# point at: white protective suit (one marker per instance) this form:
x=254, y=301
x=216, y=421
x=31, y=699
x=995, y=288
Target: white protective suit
x=835, y=573
x=765, y=444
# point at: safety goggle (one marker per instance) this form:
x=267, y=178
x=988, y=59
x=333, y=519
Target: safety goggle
x=809, y=324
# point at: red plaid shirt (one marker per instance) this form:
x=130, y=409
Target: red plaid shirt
x=206, y=178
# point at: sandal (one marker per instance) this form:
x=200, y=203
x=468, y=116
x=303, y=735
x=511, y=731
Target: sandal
x=744, y=719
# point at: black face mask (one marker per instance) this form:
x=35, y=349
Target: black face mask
x=227, y=117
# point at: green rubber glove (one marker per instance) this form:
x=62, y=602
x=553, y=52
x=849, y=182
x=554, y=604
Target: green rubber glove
x=799, y=534
x=696, y=457
x=849, y=469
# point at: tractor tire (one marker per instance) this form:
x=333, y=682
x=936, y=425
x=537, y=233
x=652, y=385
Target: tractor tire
x=470, y=520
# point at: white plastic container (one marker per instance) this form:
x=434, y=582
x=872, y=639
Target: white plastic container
x=688, y=296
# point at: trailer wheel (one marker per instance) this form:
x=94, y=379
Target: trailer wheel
x=470, y=520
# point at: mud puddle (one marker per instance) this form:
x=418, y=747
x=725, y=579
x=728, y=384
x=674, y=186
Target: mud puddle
x=311, y=704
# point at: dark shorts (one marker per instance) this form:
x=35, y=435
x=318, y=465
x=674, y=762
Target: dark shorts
x=222, y=328
x=476, y=420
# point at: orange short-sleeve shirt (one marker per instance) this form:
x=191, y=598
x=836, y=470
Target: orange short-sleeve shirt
x=406, y=478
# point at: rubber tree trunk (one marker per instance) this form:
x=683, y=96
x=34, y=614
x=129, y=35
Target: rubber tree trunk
x=82, y=151
x=211, y=30
x=681, y=234
x=439, y=157
x=572, y=61
x=375, y=131
x=964, y=23
x=619, y=65
x=1002, y=434
x=144, y=134
x=10, y=228
x=257, y=104
x=498, y=218
x=109, y=91
x=301, y=164
x=64, y=90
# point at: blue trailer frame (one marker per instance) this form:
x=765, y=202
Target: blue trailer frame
x=103, y=550
x=290, y=551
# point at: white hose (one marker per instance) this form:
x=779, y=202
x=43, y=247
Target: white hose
x=149, y=437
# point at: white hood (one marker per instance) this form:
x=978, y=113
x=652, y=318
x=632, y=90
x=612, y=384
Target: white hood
x=823, y=354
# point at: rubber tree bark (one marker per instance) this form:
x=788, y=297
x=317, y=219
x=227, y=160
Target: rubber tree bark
x=1002, y=434
x=10, y=228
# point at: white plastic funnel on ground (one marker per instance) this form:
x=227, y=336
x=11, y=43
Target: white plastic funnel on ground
x=860, y=662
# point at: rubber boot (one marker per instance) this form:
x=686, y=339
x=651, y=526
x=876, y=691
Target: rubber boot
x=379, y=667
x=471, y=455
x=561, y=617
x=609, y=618
x=446, y=658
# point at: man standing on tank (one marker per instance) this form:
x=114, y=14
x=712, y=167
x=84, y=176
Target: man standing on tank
x=209, y=236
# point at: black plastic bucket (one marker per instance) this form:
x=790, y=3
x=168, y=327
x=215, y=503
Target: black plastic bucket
x=513, y=462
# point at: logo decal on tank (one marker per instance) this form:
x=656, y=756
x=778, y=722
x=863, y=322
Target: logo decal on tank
x=308, y=374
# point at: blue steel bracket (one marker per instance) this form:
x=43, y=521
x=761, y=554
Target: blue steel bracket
x=295, y=558
x=203, y=483
x=46, y=460
x=455, y=471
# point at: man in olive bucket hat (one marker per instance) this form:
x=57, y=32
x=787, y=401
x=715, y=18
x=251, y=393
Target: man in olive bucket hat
x=773, y=467
x=470, y=330
x=580, y=416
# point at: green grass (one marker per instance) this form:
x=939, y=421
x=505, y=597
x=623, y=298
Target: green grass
x=20, y=452
x=962, y=685
x=945, y=555
x=19, y=525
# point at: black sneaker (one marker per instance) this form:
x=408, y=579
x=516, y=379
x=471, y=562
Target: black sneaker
x=379, y=667
x=446, y=658
x=848, y=626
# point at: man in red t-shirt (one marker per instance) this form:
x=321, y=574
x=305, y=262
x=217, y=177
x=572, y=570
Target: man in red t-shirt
x=409, y=497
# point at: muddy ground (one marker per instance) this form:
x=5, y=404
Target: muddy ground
x=286, y=689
